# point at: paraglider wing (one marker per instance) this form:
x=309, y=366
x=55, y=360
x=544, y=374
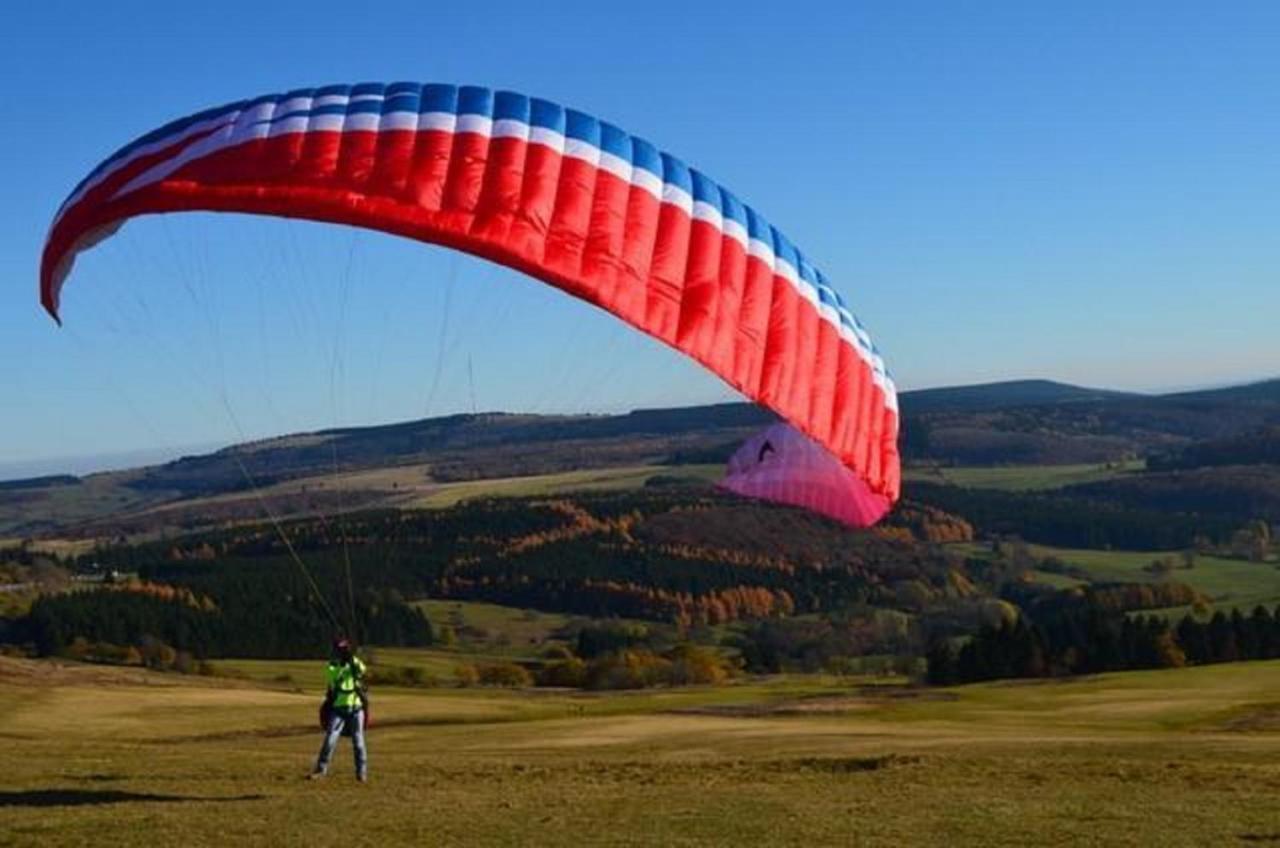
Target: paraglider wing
x=783, y=465
x=566, y=198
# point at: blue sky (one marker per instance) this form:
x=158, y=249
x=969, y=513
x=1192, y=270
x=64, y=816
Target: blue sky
x=1087, y=192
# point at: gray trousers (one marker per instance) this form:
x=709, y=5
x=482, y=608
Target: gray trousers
x=337, y=721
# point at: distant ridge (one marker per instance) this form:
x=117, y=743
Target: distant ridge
x=661, y=421
x=532, y=443
x=1263, y=391
x=1040, y=422
x=1000, y=395
x=47, y=481
x=469, y=446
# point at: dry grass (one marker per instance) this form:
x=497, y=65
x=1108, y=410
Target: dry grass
x=1170, y=758
x=407, y=486
x=600, y=479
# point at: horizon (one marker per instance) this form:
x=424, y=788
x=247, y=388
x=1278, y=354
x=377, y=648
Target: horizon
x=88, y=464
x=1001, y=191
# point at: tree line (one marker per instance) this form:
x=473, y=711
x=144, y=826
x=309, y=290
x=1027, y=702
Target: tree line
x=1090, y=639
x=593, y=555
x=225, y=609
x=1260, y=447
x=1074, y=522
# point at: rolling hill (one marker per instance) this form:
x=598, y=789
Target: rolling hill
x=988, y=396
x=1004, y=424
x=1025, y=422
x=468, y=447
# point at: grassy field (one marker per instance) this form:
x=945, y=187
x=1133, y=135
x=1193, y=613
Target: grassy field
x=1229, y=583
x=600, y=479
x=404, y=486
x=1022, y=477
x=1185, y=757
x=399, y=482
x=95, y=497
x=1057, y=581
x=411, y=486
x=483, y=633
x=438, y=665
x=491, y=628
x=55, y=547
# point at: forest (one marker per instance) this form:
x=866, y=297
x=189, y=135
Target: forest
x=1089, y=640
x=683, y=557
x=796, y=592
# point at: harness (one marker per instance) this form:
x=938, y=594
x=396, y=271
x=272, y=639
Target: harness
x=328, y=708
x=351, y=670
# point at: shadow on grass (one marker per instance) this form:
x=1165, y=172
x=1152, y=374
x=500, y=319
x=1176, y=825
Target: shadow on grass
x=284, y=731
x=89, y=797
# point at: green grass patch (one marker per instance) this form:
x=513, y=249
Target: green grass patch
x=1057, y=581
x=310, y=675
x=1229, y=583
x=1021, y=478
x=96, y=496
x=490, y=628
x=601, y=479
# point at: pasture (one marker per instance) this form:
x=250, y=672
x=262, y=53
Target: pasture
x=491, y=628
x=537, y=485
x=401, y=487
x=1180, y=757
x=412, y=487
x=1022, y=478
x=96, y=496
x=1229, y=583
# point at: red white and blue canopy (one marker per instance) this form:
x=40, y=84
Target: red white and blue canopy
x=564, y=197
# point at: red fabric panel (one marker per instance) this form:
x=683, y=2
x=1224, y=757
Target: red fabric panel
x=696, y=329
x=847, y=366
x=803, y=375
x=356, y=154
x=606, y=234
x=781, y=344
x=753, y=326
x=666, y=273
x=283, y=155
x=502, y=191
x=431, y=157
x=466, y=175
x=318, y=159
x=724, y=339
x=631, y=296
x=537, y=202
x=826, y=366
x=392, y=162
x=570, y=222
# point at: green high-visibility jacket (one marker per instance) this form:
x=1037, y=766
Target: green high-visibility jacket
x=345, y=682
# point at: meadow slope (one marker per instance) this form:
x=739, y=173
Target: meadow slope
x=1186, y=757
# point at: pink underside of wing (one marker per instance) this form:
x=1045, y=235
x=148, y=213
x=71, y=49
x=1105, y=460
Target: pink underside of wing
x=785, y=466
